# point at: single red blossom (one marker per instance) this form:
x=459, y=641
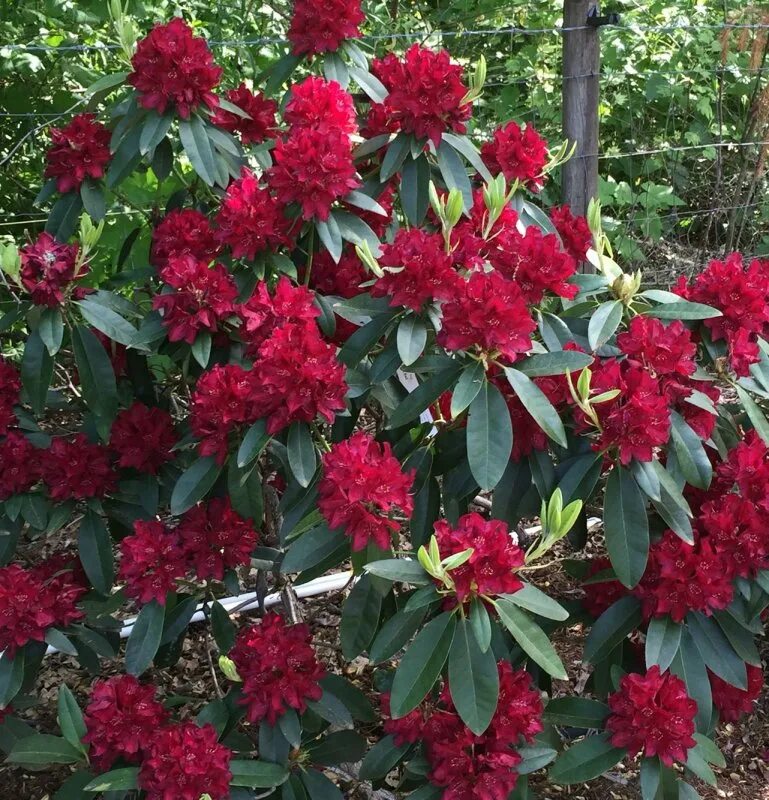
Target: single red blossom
x=62, y=577
x=75, y=469
x=143, y=438
x=747, y=465
x=185, y=761
x=79, y=150
x=378, y=122
x=321, y=105
x=152, y=559
x=490, y=570
x=662, y=349
x=10, y=388
x=48, y=268
x=574, y=232
x=518, y=154
x=172, y=66
x=313, y=169
x=425, y=92
x=743, y=352
x=121, y=717
x=216, y=538
x=260, y=124
x=404, y=730
x=262, y=313
x=250, y=220
x=20, y=465
x=278, y=667
x=731, y=701
x=490, y=313
x=362, y=486
x=182, y=232
x=417, y=270
x=519, y=709
x=601, y=596
x=320, y=26
x=652, y=714
x=297, y=378
x=202, y=297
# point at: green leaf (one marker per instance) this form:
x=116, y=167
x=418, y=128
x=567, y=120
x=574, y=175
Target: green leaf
x=177, y=619
x=312, y=548
x=353, y=699
x=649, y=778
x=406, y=570
x=530, y=638
x=257, y=774
x=41, y=749
x=94, y=545
x=683, y=309
x=97, y=378
x=366, y=202
x=201, y=348
x=92, y=197
x=301, y=453
x=454, y=172
x=534, y=758
x=739, y=638
x=330, y=236
x=421, y=665
x=144, y=640
x=125, y=778
x=70, y=718
x=193, y=484
x=604, y=323
x=360, y=617
x=395, y=633
x=319, y=787
x=396, y=154
x=414, y=193
x=536, y=403
x=370, y=84
x=222, y=627
x=611, y=628
x=197, y=146
x=755, y=415
x=576, y=712
x=690, y=667
x=253, y=443
x=692, y=459
x=425, y=394
x=647, y=479
x=56, y=639
x=51, y=329
x=532, y=599
x=709, y=750
x=332, y=709
x=697, y=765
x=411, y=338
x=36, y=371
x=714, y=647
x=108, y=321
x=355, y=230
x=244, y=486
x=106, y=82
x=626, y=526
x=473, y=679
x=335, y=748
x=154, y=130
x=163, y=160
x=557, y=363
x=364, y=339
x=480, y=622
x=489, y=436
x=586, y=760
x=382, y=758
x=74, y=786
x=11, y=676
x=469, y=384
x=64, y=216
x=662, y=640
x=465, y=147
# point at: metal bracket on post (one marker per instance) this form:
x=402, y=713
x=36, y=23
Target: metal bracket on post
x=595, y=20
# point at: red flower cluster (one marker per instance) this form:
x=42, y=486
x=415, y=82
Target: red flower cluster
x=320, y=26
x=600, y=596
x=653, y=714
x=203, y=297
x=420, y=270
x=488, y=312
x=10, y=387
x=426, y=92
x=662, y=349
x=20, y=465
x=747, y=466
x=121, y=718
x=80, y=150
x=490, y=570
x=519, y=155
x=250, y=219
x=260, y=124
x=34, y=600
x=216, y=538
x=48, y=268
x=733, y=703
x=172, y=66
x=143, y=438
x=184, y=762
x=152, y=560
x=278, y=667
x=321, y=105
x=75, y=469
x=362, y=486
x=182, y=232
x=741, y=294
x=574, y=232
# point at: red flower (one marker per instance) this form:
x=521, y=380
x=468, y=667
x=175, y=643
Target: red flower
x=48, y=268
x=653, y=714
x=152, y=559
x=21, y=465
x=143, y=438
x=662, y=349
x=519, y=155
x=278, y=667
x=183, y=231
x=204, y=297
x=220, y=402
x=362, y=486
x=600, y=596
x=426, y=92
x=183, y=762
x=489, y=312
x=260, y=109
x=297, y=378
x=574, y=232
x=216, y=538
x=313, y=169
x=519, y=708
x=75, y=469
x=80, y=150
x=10, y=387
x=421, y=270
x=321, y=105
x=490, y=568
x=262, y=314
x=747, y=465
x=121, y=717
x=404, y=730
x=733, y=703
x=250, y=219
x=320, y=26
x=171, y=66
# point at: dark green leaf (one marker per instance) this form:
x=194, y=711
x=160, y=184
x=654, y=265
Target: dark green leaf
x=755, y=415
x=163, y=160
x=42, y=749
x=253, y=443
x=683, y=309
x=382, y=758
x=97, y=378
x=558, y=363
x=716, y=651
x=51, y=329
x=123, y=778
x=350, y=696
x=36, y=371
x=414, y=194
x=355, y=230
x=64, y=216
x=395, y=633
x=95, y=549
x=469, y=384
x=480, y=622
x=319, y=787
x=279, y=72
x=244, y=487
x=692, y=459
x=59, y=641
x=662, y=640
x=530, y=638
x=341, y=746
x=611, y=628
x=536, y=403
x=425, y=394
x=626, y=526
x=201, y=348
x=257, y=774
x=370, y=84
x=177, y=619
x=193, y=484
x=144, y=640
x=301, y=453
x=407, y=570
x=330, y=236
x=454, y=172
x=197, y=146
x=465, y=147
x=690, y=667
x=739, y=638
x=311, y=548
x=360, y=617
x=108, y=321
x=489, y=436
x=92, y=196
x=364, y=339
x=576, y=712
x=332, y=709
x=154, y=130
x=604, y=323
x=532, y=599
x=70, y=718
x=411, y=338
x=586, y=760
x=396, y=154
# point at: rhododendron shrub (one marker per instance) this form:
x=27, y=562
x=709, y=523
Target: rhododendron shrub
x=349, y=343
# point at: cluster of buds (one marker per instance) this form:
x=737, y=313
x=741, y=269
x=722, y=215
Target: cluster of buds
x=448, y=209
x=582, y=399
x=477, y=81
x=439, y=568
x=556, y=522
